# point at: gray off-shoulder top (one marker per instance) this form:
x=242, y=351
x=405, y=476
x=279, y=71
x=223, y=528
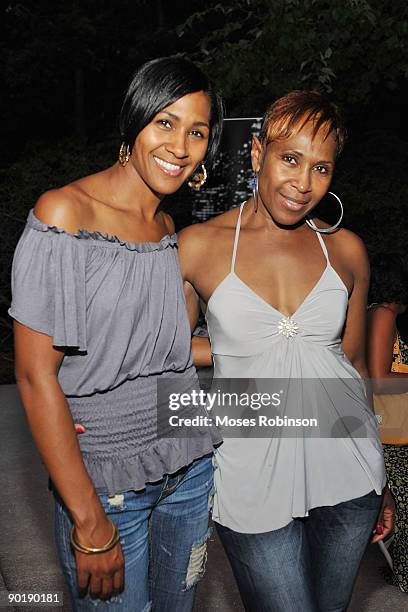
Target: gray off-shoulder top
x=118, y=310
x=118, y=306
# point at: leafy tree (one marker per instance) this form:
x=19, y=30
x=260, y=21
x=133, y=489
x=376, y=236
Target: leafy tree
x=259, y=49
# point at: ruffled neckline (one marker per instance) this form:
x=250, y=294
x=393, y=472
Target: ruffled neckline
x=103, y=239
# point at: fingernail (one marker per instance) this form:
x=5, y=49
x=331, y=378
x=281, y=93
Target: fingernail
x=379, y=529
x=79, y=428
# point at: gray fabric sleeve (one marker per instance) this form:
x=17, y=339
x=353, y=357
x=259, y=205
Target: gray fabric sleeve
x=48, y=286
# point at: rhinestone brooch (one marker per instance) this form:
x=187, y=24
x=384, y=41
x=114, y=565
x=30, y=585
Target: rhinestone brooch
x=287, y=327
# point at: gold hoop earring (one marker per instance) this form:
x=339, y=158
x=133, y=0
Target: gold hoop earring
x=198, y=179
x=124, y=154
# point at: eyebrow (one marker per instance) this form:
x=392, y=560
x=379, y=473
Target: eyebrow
x=177, y=118
x=321, y=161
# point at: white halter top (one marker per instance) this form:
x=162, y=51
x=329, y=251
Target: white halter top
x=262, y=483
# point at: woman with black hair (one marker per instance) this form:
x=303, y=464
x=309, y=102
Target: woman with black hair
x=387, y=358
x=100, y=323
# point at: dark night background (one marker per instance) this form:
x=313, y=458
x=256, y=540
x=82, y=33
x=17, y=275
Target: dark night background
x=66, y=64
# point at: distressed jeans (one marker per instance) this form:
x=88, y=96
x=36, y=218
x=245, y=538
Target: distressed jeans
x=307, y=566
x=164, y=531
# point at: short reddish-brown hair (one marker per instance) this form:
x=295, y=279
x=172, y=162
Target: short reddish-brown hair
x=290, y=113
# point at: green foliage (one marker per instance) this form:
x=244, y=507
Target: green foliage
x=259, y=49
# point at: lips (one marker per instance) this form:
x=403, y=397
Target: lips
x=293, y=204
x=167, y=167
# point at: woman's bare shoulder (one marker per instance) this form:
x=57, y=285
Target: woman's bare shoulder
x=61, y=208
x=70, y=207
x=352, y=251
x=195, y=237
x=201, y=234
x=348, y=240
x=342, y=237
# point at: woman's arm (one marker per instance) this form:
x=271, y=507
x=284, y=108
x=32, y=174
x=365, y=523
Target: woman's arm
x=354, y=333
x=381, y=337
x=385, y=520
x=202, y=355
x=188, y=252
x=193, y=304
x=201, y=347
x=49, y=418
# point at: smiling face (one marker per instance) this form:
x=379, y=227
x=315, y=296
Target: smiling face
x=168, y=150
x=294, y=173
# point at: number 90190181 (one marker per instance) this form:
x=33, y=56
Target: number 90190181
x=27, y=598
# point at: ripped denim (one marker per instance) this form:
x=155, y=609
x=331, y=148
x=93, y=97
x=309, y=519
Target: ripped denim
x=164, y=532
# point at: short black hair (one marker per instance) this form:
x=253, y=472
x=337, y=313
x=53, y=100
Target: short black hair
x=389, y=279
x=159, y=83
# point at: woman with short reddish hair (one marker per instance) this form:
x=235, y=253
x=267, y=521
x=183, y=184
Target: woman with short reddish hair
x=286, y=299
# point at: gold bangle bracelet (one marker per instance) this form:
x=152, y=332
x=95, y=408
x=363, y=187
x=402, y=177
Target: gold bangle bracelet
x=87, y=550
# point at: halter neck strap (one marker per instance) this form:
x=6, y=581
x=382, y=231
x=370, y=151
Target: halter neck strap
x=324, y=248
x=237, y=229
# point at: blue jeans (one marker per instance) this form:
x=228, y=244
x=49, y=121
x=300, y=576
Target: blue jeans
x=164, y=530
x=309, y=565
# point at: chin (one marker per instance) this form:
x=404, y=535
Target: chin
x=288, y=218
x=169, y=190
x=164, y=188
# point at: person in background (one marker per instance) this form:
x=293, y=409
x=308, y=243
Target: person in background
x=387, y=356
x=100, y=321
x=285, y=298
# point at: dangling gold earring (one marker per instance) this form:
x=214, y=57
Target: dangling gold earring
x=198, y=179
x=124, y=154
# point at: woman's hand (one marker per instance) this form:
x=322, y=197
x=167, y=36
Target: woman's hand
x=385, y=521
x=100, y=574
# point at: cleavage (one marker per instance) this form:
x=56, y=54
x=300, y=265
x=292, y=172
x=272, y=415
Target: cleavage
x=277, y=300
